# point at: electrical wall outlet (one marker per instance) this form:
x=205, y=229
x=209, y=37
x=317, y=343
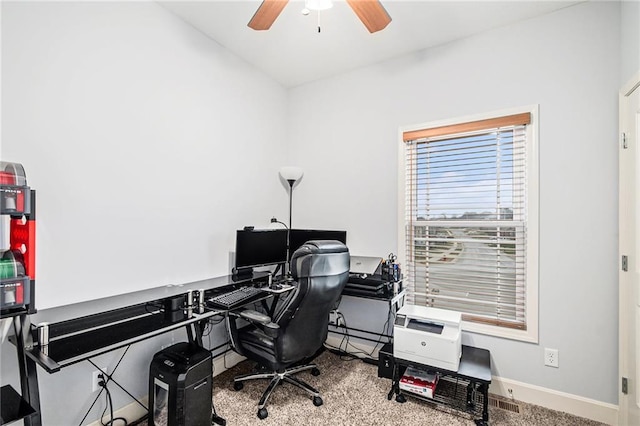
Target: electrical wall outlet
x=551, y=357
x=334, y=317
x=95, y=379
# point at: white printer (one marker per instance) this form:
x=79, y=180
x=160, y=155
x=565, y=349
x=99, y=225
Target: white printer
x=428, y=336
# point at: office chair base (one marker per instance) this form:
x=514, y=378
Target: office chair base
x=276, y=379
x=262, y=413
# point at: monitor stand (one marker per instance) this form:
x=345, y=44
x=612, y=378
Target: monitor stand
x=242, y=272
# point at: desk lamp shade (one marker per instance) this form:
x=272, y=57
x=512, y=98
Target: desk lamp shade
x=291, y=174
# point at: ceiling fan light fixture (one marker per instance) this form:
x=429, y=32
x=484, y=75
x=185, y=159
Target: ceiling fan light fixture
x=370, y=12
x=318, y=4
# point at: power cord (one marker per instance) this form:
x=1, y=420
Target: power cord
x=385, y=331
x=215, y=418
x=109, y=378
x=345, y=355
x=349, y=356
x=109, y=404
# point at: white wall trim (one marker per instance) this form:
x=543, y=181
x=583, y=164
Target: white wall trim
x=555, y=400
x=131, y=412
x=626, y=242
x=630, y=85
x=223, y=362
x=134, y=411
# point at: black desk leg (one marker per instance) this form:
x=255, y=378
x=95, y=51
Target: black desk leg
x=27, y=368
x=485, y=405
x=395, y=386
x=393, y=382
x=195, y=332
x=470, y=403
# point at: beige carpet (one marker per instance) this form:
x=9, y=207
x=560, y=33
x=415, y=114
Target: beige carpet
x=354, y=395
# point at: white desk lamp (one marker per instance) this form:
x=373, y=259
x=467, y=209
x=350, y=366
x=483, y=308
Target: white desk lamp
x=291, y=175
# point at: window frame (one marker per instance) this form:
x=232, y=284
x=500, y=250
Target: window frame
x=532, y=223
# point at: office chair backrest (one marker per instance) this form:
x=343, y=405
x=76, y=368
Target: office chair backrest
x=321, y=269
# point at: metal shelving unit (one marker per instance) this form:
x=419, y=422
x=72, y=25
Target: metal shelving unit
x=465, y=391
x=17, y=292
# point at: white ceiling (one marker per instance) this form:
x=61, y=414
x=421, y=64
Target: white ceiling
x=293, y=52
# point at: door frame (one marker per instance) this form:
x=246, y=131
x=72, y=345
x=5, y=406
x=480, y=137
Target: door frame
x=626, y=317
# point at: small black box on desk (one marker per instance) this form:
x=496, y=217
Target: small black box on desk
x=386, y=361
x=372, y=285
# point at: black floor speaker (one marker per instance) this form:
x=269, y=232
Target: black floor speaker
x=180, y=386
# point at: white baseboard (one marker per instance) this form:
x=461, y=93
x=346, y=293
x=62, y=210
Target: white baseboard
x=532, y=394
x=131, y=413
x=134, y=411
x=555, y=400
x=223, y=362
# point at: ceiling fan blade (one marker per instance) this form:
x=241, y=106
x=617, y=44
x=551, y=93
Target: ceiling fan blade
x=372, y=14
x=266, y=14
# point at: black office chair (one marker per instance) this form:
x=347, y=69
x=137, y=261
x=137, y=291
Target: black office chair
x=299, y=325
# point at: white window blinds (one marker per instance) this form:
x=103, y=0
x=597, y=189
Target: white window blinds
x=466, y=219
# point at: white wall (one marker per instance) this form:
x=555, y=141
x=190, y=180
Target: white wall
x=128, y=92
x=148, y=145
x=147, y=142
x=568, y=63
x=630, y=39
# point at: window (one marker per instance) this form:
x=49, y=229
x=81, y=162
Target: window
x=469, y=227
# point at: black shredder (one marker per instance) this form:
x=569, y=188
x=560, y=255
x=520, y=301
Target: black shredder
x=180, y=386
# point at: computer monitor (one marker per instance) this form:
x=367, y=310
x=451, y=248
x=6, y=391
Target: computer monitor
x=300, y=236
x=260, y=248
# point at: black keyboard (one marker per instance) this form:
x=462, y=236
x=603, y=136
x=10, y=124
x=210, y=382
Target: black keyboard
x=235, y=298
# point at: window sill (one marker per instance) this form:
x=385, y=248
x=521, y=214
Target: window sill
x=529, y=336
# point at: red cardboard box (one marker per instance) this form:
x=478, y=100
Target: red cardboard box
x=419, y=382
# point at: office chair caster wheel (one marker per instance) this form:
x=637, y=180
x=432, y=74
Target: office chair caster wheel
x=238, y=386
x=317, y=401
x=315, y=372
x=401, y=398
x=262, y=413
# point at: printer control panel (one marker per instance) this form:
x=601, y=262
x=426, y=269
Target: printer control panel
x=400, y=319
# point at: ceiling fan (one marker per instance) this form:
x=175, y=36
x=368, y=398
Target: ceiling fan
x=371, y=12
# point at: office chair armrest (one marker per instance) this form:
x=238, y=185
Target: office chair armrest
x=270, y=328
x=254, y=316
